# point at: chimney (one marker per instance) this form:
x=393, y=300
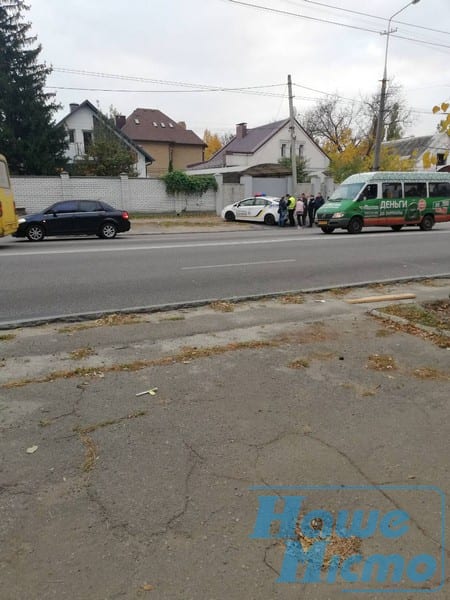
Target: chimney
x=241, y=130
x=182, y=124
x=73, y=106
x=120, y=121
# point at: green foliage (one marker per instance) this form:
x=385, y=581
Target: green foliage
x=302, y=168
x=32, y=142
x=178, y=182
x=107, y=155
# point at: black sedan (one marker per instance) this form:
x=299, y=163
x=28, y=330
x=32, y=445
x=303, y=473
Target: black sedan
x=74, y=217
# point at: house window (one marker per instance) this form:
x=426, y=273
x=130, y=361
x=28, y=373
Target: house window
x=440, y=160
x=300, y=151
x=87, y=139
x=283, y=150
x=71, y=134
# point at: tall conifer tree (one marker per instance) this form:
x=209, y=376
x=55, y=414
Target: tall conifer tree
x=29, y=138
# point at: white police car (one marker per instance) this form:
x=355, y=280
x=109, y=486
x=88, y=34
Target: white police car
x=257, y=208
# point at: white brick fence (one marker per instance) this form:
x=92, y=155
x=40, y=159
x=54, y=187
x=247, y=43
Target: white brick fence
x=132, y=194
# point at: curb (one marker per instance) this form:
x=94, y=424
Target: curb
x=153, y=308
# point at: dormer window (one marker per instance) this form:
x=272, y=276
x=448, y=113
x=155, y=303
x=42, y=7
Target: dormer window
x=155, y=124
x=163, y=124
x=137, y=121
x=171, y=125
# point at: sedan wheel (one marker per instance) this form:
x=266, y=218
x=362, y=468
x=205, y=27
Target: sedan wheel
x=230, y=216
x=108, y=231
x=35, y=233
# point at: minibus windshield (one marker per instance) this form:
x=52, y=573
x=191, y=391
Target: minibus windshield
x=346, y=191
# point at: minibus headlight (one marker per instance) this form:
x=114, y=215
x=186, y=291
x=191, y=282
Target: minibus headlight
x=338, y=215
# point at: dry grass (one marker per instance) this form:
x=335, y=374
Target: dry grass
x=91, y=448
x=442, y=341
x=337, y=546
x=222, y=306
x=385, y=332
x=82, y=353
x=433, y=314
x=299, y=363
x=108, y=320
x=381, y=362
x=430, y=373
x=7, y=337
x=339, y=292
x=292, y=299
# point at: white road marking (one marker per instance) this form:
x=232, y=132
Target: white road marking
x=245, y=264
x=283, y=240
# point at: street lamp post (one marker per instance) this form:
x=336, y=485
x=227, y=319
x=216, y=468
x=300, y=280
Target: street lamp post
x=380, y=120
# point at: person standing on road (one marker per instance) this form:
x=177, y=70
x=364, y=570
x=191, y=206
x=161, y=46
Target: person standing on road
x=291, y=210
x=319, y=202
x=299, y=210
x=282, y=210
x=311, y=210
x=305, y=208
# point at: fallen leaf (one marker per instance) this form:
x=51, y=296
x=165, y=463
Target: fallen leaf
x=32, y=449
x=147, y=587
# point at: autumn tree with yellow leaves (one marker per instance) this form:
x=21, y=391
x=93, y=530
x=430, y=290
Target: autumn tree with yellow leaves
x=430, y=159
x=213, y=143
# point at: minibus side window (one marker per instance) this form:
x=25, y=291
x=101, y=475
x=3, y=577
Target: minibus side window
x=440, y=190
x=392, y=190
x=415, y=190
x=370, y=192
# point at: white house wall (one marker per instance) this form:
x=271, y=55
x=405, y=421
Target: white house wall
x=82, y=120
x=271, y=151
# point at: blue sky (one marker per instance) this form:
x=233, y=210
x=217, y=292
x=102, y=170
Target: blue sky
x=225, y=44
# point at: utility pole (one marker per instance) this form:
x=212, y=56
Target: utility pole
x=293, y=138
x=380, y=121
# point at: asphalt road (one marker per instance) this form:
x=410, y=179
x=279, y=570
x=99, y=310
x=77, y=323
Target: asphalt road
x=73, y=276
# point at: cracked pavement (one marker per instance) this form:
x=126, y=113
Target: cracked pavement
x=164, y=508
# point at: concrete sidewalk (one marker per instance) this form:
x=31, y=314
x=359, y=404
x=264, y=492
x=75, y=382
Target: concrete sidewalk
x=106, y=493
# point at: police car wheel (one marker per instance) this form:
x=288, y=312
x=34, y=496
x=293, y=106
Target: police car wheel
x=269, y=220
x=230, y=216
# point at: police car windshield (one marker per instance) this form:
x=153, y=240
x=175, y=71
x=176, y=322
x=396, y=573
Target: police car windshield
x=346, y=191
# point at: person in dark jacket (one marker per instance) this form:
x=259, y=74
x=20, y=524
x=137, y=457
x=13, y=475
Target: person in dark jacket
x=318, y=203
x=282, y=211
x=311, y=210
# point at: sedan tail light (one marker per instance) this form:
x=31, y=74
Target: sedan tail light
x=125, y=214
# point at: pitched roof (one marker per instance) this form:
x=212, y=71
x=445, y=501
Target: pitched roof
x=151, y=125
x=120, y=133
x=410, y=145
x=248, y=144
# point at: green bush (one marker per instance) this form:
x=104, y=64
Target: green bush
x=177, y=182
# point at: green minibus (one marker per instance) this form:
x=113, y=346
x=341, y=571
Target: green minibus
x=387, y=199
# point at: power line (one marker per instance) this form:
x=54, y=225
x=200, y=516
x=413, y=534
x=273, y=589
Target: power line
x=363, y=14
x=329, y=22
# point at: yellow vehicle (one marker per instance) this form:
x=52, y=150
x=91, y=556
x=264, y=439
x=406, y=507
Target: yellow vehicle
x=8, y=218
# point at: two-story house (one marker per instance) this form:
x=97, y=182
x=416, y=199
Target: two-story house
x=171, y=144
x=80, y=124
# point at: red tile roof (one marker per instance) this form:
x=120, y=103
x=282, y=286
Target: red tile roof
x=151, y=125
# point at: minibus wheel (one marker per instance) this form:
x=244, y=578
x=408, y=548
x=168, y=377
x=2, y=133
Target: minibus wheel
x=327, y=229
x=355, y=225
x=427, y=223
